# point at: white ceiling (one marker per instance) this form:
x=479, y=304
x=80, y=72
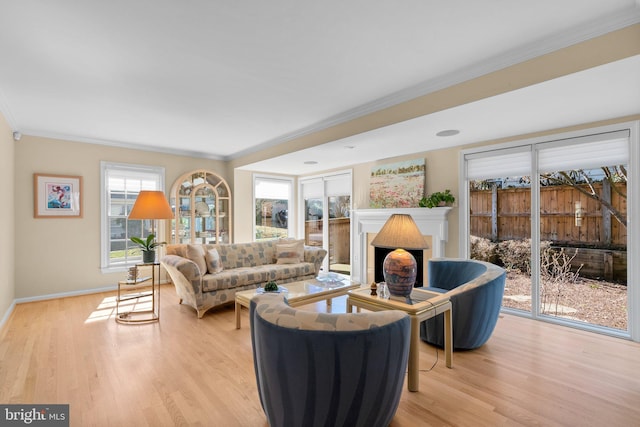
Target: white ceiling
x=223, y=79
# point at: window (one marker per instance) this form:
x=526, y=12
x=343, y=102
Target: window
x=272, y=204
x=119, y=187
x=553, y=212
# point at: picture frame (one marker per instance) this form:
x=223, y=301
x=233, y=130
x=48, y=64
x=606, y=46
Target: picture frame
x=57, y=196
x=397, y=185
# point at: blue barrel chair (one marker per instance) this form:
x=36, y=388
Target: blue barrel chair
x=319, y=369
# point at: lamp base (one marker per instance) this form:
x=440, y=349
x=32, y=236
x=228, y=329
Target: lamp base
x=400, y=270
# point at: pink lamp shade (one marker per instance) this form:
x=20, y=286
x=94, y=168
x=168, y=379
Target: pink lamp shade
x=400, y=267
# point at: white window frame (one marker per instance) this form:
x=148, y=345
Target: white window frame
x=105, y=167
x=291, y=205
x=633, y=214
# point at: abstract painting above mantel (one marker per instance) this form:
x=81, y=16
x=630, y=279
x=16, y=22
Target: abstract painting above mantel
x=397, y=185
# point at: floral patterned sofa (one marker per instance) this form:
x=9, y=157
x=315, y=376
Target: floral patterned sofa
x=209, y=275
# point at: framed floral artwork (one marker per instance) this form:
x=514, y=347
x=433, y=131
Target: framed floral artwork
x=57, y=196
x=397, y=185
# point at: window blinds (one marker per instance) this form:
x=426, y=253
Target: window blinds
x=585, y=152
x=588, y=152
x=332, y=185
x=274, y=189
x=338, y=185
x=498, y=164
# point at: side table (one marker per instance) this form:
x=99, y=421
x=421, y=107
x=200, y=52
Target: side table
x=130, y=293
x=420, y=305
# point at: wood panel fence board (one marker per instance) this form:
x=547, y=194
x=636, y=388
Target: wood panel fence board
x=511, y=221
x=557, y=211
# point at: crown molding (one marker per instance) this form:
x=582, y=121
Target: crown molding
x=121, y=144
x=515, y=56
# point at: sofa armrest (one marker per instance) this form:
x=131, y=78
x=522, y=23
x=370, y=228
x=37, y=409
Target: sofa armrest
x=315, y=255
x=183, y=272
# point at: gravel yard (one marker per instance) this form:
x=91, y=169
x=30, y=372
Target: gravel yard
x=593, y=301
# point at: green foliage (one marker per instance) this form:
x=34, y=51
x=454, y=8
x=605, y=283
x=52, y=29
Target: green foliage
x=147, y=244
x=438, y=198
x=271, y=286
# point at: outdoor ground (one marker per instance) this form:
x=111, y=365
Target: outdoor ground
x=593, y=301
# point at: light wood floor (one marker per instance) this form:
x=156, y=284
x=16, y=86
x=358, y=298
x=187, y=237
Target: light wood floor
x=185, y=371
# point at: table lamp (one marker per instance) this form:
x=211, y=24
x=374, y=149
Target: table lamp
x=151, y=205
x=400, y=232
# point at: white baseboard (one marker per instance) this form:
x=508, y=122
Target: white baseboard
x=7, y=314
x=66, y=294
x=58, y=295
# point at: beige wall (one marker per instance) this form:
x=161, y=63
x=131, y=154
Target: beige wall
x=442, y=165
x=7, y=218
x=441, y=174
x=55, y=255
x=243, y=206
x=603, y=49
x=63, y=255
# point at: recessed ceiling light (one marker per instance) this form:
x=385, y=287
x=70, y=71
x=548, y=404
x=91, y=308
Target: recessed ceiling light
x=448, y=132
x=310, y=162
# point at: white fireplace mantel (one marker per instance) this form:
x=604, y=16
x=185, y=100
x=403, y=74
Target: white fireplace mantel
x=431, y=222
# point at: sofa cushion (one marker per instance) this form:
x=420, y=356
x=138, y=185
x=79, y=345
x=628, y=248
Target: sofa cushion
x=196, y=254
x=214, y=264
x=290, y=252
x=259, y=275
x=237, y=255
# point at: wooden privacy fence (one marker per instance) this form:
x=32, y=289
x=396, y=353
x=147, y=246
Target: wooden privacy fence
x=567, y=218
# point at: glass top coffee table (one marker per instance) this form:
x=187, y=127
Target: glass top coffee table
x=300, y=293
x=420, y=305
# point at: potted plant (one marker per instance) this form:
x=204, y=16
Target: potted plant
x=438, y=198
x=148, y=247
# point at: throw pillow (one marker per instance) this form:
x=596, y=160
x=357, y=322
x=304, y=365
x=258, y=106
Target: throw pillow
x=214, y=264
x=290, y=252
x=196, y=254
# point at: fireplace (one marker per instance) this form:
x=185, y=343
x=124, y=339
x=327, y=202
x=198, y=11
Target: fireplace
x=381, y=253
x=365, y=223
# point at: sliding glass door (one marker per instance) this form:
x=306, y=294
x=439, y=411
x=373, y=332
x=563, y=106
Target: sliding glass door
x=499, y=188
x=553, y=213
x=583, y=229
x=327, y=218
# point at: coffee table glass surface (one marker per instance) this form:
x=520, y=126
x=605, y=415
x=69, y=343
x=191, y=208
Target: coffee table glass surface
x=301, y=293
